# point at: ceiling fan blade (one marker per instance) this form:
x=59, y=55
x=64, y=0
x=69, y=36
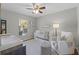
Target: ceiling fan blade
x=40, y=11
x=30, y=8
x=42, y=8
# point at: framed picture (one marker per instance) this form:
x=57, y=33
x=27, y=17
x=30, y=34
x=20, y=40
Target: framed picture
x=3, y=28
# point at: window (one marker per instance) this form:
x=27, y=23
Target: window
x=23, y=25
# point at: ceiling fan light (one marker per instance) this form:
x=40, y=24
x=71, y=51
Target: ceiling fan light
x=35, y=11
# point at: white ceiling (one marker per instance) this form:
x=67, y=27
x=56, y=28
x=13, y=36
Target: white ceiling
x=50, y=8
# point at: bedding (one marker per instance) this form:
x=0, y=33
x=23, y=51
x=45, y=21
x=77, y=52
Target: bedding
x=63, y=48
x=63, y=38
x=41, y=35
x=42, y=38
x=67, y=36
x=9, y=39
x=63, y=44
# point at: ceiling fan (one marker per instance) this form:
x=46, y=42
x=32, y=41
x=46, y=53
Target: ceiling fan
x=37, y=8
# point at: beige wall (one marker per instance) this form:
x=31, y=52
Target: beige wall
x=13, y=23
x=0, y=8
x=78, y=24
x=66, y=18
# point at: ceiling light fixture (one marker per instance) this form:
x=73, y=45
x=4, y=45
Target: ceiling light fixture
x=35, y=11
x=36, y=8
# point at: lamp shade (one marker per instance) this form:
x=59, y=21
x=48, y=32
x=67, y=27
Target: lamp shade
x=55, y=25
